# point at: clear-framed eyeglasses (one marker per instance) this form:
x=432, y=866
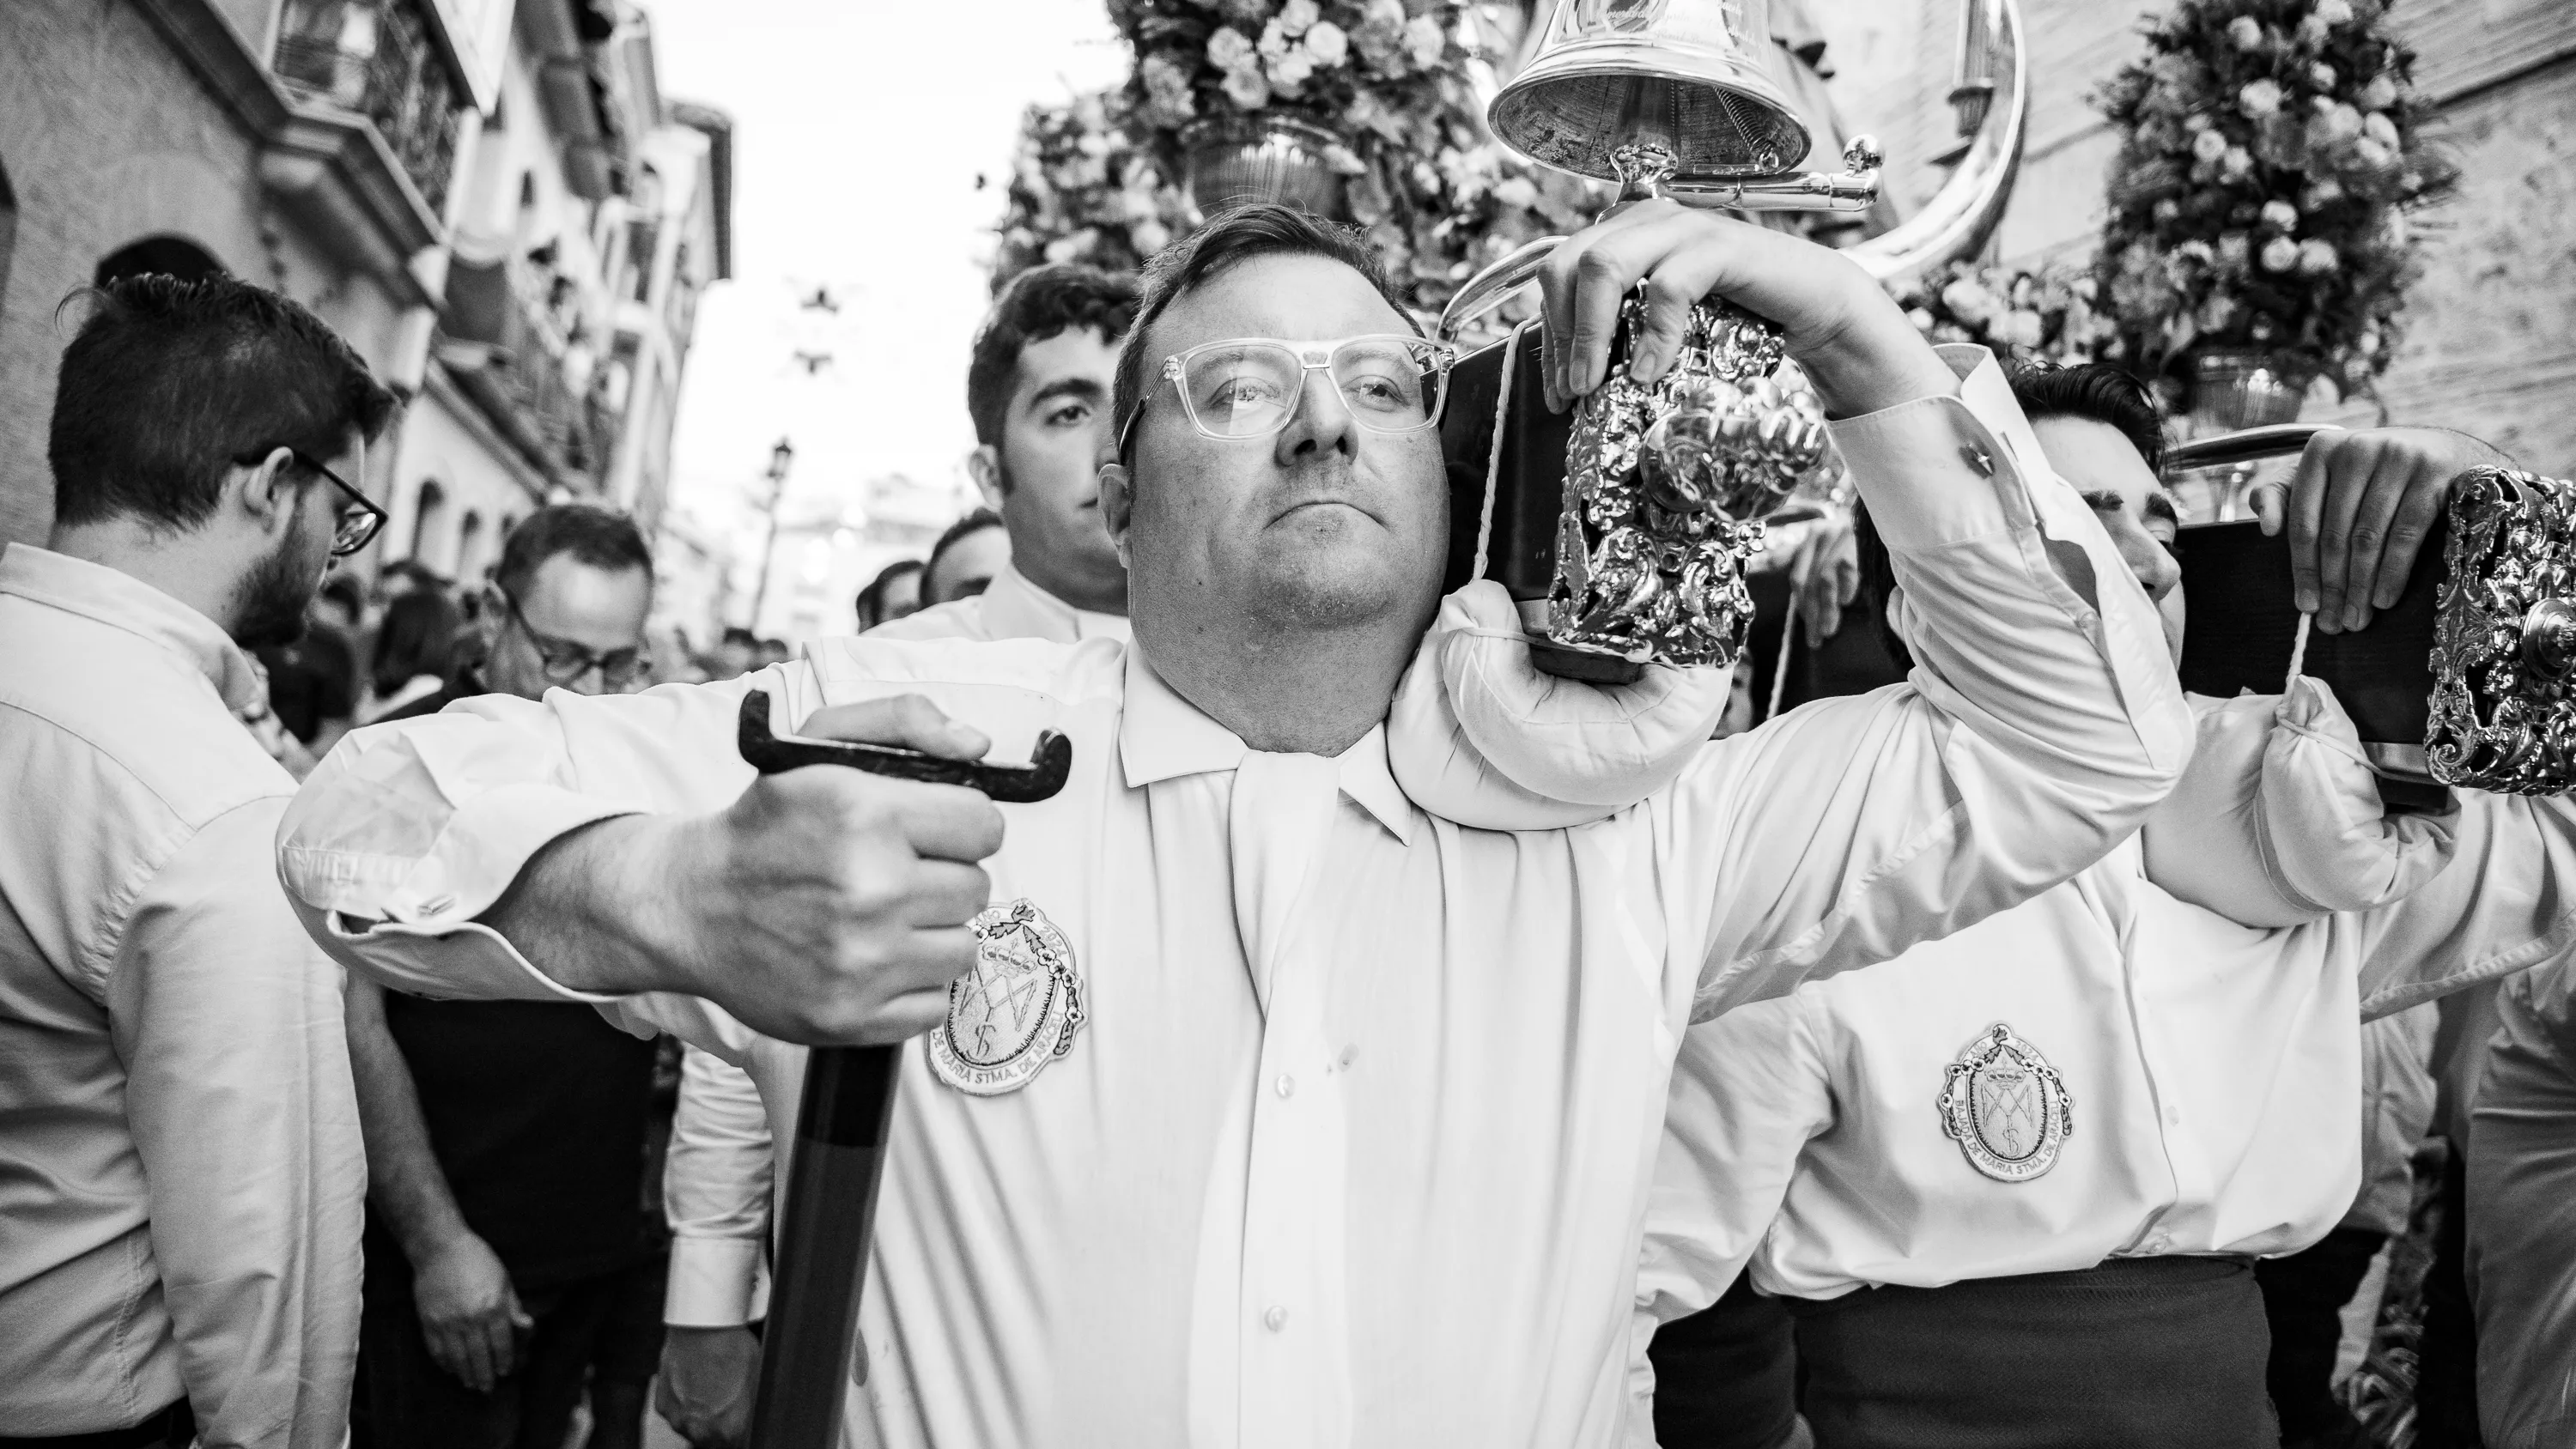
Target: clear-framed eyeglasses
x=1249, y=387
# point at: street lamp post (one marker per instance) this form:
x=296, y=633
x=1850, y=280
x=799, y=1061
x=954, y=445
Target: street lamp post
x=780, y=458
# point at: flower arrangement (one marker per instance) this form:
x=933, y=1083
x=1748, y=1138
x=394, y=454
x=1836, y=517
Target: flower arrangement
x=2021, y=316
x=1340, y=64
x=2271, y=155
x=1387, y=78
x=1084, y=189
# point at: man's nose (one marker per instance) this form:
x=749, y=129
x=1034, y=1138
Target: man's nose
x=1322, y=423
x=2154, y=565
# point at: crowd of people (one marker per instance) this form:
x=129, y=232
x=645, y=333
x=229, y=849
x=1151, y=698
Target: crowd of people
x=1959, y=1037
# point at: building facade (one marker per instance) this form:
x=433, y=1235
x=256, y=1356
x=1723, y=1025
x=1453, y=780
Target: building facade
x=452, y=184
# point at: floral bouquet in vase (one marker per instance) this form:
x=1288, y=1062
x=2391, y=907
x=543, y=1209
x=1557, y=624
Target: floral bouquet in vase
x=2259, y=220
x=2021, y=316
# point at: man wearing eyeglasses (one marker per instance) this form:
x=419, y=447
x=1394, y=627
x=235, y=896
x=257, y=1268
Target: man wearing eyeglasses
x=180, y=1170
x=1259, y=1106
x=509, y=1260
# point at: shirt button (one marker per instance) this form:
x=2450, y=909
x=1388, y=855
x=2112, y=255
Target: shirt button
x=2173, y=1116
x=1287, y=1086
x=1276, y=1319
x=1350, y=1054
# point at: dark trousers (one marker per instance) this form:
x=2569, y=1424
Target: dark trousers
x=2143, y=1353
x=609, y=1326
x=2446, y=1382
x=173, y=1428
x=1727, y=1378
x=2303, y=1299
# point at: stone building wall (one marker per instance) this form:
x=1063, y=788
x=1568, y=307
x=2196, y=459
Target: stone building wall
x=2491, y=341
x=107, y=136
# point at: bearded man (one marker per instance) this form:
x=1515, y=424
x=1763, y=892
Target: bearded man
x=180, y=1169
x=1314, y=1118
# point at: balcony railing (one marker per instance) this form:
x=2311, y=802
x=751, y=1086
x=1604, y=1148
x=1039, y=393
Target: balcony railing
x=375, y=58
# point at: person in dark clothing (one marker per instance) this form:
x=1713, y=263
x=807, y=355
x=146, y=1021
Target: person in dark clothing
x=313, y=682
x=513, y=1267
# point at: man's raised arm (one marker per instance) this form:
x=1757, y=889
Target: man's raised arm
x=2042, y=720
x=599, y=848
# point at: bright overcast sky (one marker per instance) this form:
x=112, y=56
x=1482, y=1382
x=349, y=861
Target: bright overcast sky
x=860, y=127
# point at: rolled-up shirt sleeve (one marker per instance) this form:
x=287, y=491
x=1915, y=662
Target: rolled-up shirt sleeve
x=2505, y=903
x=239, y=1098
x=409, y=831
x=2041, y=722
x=716, y=1190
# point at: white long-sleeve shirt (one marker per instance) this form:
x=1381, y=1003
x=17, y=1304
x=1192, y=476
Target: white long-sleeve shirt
x=722, y=1165
x=181, y=1178
x=1353, y=1145
x=2213, y=1072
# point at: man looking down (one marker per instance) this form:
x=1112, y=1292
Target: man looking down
x=1271, y=1109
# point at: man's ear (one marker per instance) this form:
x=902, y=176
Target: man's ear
x=1117, y=506
x=984, y=465
x=266, y=492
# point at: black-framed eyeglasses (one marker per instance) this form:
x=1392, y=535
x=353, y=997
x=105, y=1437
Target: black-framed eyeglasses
x=1249, y=387
x=360, y=519
x=562, y=661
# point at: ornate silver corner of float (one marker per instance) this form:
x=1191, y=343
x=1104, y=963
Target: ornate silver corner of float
x=1666, y=487
x=2504, y=655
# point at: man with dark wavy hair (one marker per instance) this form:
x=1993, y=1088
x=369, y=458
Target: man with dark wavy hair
x=180, y=1173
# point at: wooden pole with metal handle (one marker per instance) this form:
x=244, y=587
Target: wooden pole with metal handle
x=843, y=1126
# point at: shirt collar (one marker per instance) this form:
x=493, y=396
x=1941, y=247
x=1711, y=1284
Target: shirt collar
x=120, y=600
x=1015, y=608
x=1162, y=736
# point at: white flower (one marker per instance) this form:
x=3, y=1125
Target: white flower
x=2235, y=251
x=2374, y=155
x=1289, y=72
x=1149, y=236
x=1274, y=40
x=1388, y=13
x=2321, y=193
x=1428, y=42
x=1327, y=43
x=2379, y=128
x=2312, y=32
x=2322, y=76
x=1344, y=161
x=1298, y=16
x=2236, y=162
x=2246, y=32
x=1921, y=319
x=2208, y=146
x=2316, y=258
x=2380, y=94
x=2017, y=329
x=2166, y=209
x=1247, y=89
x=1967, y=301
x=1064, y=248
x=1518, y=193
x=2335, y=12
x=2344, y=122
x=2259, y=98
x=1229, y=48
x=1167, y=90
x=2280, y=215
x=2280, y=254
x=2217, y=312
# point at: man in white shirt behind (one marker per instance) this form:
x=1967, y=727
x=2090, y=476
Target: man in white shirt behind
x=180, y=1168
x=1037, y=388
x=2011, y=1184
x=1272, y=1109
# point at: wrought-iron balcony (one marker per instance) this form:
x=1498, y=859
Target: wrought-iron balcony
x=375, y=58
x=509, y=343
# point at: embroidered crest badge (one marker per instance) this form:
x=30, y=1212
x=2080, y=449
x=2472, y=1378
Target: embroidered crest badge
x=2007, y=1108
x=1015, y=1011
